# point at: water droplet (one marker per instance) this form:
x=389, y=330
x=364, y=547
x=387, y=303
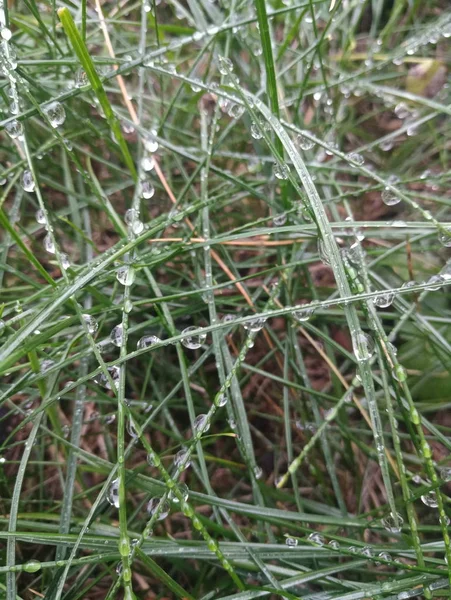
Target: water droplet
x=445, y=473
x=32, y=566
x=256, y=131
x=147, y=190
x=367, y=551
x=228, y=318
x=81, y=79
x=150, y=142
x=65, y=261
x=281, y=171
x=444, y=236
x=91, y=323
x=133, y=221
x=434, y=283
x=221, y=400
x=201, y=424
x=183, y=490
x=6, y=34
x=14, y=129
x=430, y=499
x=147, y=340
x=303, y=313
x=356, y=158
x=148, y=163
x=128, y=306
x=402, y=111
x=316, y=538
x=258, y=472
x=193, y=341
x=385, y=556
x=49, y=246
x=255, y=324
x=225, y=65
x=2, y=459
x=152, y=507
x=386, y=145
x=384, y=300
x=126, y=275
x=113, y=493
x=334, y=544
x=303, y=142
x=180, y=457
x=131, y=428
x=291, y=542
x=389, y=198
x=236, y=111
x=363, y=346
x=40, y=217
x=55, y=113
x=280, y=219
x=117, y=335
x=28, y=182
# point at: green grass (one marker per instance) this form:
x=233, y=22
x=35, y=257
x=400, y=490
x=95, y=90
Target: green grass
x=260, y=192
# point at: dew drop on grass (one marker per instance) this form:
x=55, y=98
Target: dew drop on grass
x=430, y=499
x=55, y=113
x=28, y=182
x=40, y=217
x=126, y=275
x=117, y=335
x=128, y=306
x=225, y=65
x=445, y=473
x=356, y=158
x=194, y=341
x=281, y=171
x=147, y=341
x=280, y=219
x=386, y=145
x=444, y=237
x=389, y=198
x=91, y=323
x=201, y=423
x=81, y=79
x=434, y=283
x=363, y=346
x=152, y=507
x=316, y=538
x=256, y=132
x=367, y=551
x=49, y=246
x=334, y=544
x=236, y=111
x=148, y=163
x=383, y=300
x=228, y=318
x=180, y=457
x=65, y=261
x=147, y=190
x=184, y=492
x=32, y=566
x=303, y=314
x=221, y=400
x=291, y=542
x=303, y=142
x=113, y=493
x=255, y=324
x=131, y=429
x=385, y=556
x=14, y=129
x=6, y=34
